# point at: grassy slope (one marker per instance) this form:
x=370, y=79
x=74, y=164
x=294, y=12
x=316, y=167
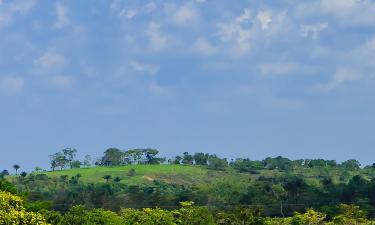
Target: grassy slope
x=188, y=175
x=144, y=173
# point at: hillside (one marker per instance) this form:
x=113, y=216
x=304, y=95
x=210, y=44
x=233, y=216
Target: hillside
x=195, y=175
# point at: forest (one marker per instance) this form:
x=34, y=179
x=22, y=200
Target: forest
x=137, y=186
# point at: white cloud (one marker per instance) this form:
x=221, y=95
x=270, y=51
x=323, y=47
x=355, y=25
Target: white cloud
x=181, y=15
x=149, y=7
x=157, y=39
x=11, y=85
x=275, y=69
x=61, y=81
x=313, y=30
x=145, y=68
x=351, y=13
x=159, y=90
x=185, y=14
x=9, y=10
x=202, y=46
x=341, y=76
x=236, y=33
x=364, y=55
x=128, y=13
x=50, y=60
x=338, y=7
x=245, y=16
x=265, y=18
x=62, y=16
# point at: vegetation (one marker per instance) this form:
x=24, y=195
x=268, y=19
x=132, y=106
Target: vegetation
x=138, y=187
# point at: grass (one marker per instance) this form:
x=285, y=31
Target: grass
x=191, y=175
x=180, y=174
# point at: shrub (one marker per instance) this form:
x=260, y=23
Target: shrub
x=12, y=211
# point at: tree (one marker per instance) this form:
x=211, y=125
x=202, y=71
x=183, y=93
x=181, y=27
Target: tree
x=4, y=173
x=107, y=177
x=16, y=167
x=135, y=155
x=117, y=179
x=23, y=174
x=311, y=217
x=200, y=158
x=216, y=163
x=75, y=164
x=12, y=211
x=69, y=154
x=131, y=172
x=112, y=157
x=351, y=164
x=58, y=160
x=87, y=161
x=150, y=155
x=187, y=159
x=37, y=169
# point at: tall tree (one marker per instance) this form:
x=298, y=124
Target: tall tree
x=69, y=154
x=87, y=161
x=200, y=158
x=150, y=155
x=187, y=159
x=16, y=167
x=112, y=157
x=107, y=177
x=58, y=160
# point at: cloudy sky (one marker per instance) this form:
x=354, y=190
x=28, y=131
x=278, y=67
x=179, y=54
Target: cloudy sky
x=238, y=78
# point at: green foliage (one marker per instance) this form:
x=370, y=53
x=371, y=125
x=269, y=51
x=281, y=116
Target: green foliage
x=217, y=163
x=131, y=172
x=311, y=217
x=241, y=216
x=193, y=215
x=147, y=216
x=12, y=211
x=350, y=215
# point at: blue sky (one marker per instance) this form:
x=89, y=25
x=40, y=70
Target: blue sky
x=237, y=78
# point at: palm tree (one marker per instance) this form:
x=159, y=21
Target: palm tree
x=16, y=167
x=23, y=174
x=107, y=177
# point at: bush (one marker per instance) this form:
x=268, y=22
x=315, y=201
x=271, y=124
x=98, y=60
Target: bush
x=147, y=216
x=131, y=172
x=12, y=211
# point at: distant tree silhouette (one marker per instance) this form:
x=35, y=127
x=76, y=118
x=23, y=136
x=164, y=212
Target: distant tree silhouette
x=23, y=174
x=16, y=167
x=4, y=173
x=107, y=177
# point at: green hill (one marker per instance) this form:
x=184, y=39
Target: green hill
x=195, y=175
x=179, y=174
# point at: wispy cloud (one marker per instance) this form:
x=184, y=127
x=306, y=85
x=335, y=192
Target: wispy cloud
x=11, y=85
x=144, y=68
x=9, y=10
x=265, y=18
x=62, y=16
x=341, y=76
x=156, y=38
x=183, y=14
x=50, y=60
x=61, y=81
x=313, y=30
x=237, y=33
x=204, y=47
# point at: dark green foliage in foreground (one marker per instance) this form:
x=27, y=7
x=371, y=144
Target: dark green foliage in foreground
x=193, y=215
x=134, y=187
